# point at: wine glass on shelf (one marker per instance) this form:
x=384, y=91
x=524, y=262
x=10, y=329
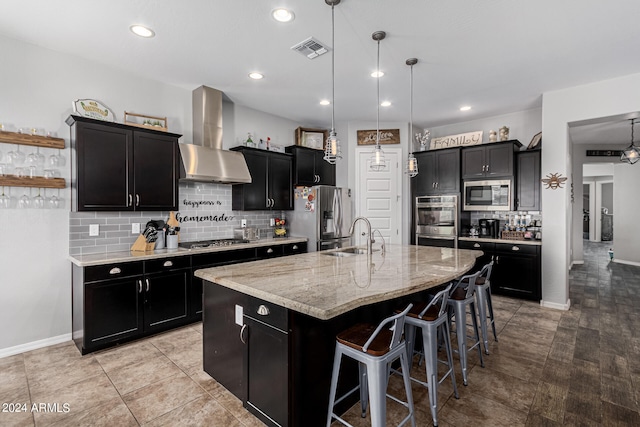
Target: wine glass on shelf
x=5, y=201
x=17, y=157
x=24, y=202
x=36, y=159
x=54, y=201
x=57, y=160
x=38, y=201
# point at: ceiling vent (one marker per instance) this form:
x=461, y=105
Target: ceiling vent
x=311, y=48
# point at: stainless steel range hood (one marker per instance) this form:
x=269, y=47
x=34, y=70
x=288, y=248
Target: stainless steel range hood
x=205, y=160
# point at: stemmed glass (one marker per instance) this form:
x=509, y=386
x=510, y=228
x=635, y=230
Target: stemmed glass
x=56, y=160
x=24, y=202
x=54, y=201
x=38, y=201
x=17, y=157
x=36, y=159
x=5, y=201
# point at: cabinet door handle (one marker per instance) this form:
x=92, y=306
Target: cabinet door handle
x=437, y=184
x=497, y=259
x=137, y=200
x=515, y=248
x=487, y=168
x=269, y=251
x=242, y=333
x=147, y=282
x=273, y=202
x=168, y=264
x=263, y=310
x=318, y=178
x=130, y=200
x=295, y=247
x=139, y=286
x=115, y=270
x=476, y=245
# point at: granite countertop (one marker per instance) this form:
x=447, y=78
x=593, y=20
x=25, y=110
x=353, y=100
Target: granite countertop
x=128, y=256
x=513, y=242
x=324, y=286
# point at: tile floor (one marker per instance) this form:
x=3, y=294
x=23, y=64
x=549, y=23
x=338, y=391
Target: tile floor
x=549, y=368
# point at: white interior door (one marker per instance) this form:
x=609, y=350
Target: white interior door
x=378, y=195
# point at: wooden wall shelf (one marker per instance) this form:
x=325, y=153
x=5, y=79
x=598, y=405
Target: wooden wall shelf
x=37, y=182
x=34, y=140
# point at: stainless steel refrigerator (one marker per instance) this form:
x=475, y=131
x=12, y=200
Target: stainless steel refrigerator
x=323, y=215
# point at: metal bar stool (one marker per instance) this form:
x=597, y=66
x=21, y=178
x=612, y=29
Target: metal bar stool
x=462, y=295
x=485, y=306
x=431, y=318
x=374, y=349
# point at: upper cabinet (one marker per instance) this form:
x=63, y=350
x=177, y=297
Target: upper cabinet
x=489, y=160
x=438, y=172
x=310, y=168
x=528, y=180
x=124, y=168
x=271, y=181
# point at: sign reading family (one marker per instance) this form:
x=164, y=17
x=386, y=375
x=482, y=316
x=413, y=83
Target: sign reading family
x=461, y=140
x=387, y=136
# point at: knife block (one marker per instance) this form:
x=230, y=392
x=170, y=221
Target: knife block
x=141, y=245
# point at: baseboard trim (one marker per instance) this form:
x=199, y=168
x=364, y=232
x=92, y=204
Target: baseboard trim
x=34, y=345
x=621, y=261
x=555, y=305
x=576, y=262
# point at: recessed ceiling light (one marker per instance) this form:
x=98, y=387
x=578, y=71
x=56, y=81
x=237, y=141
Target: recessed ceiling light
x=385, y=104
x=282, y=15
x=377, y=74
x=465, y=108
x=256, y=76
x=325, y=102
x=142, y=31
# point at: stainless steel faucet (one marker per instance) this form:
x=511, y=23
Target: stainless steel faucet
x=370, y=240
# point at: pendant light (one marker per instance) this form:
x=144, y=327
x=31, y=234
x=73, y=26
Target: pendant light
x=631, y=154
x=412, y=162
x=332, y=150
x=377, y=161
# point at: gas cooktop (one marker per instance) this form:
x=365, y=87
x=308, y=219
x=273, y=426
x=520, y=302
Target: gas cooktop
x=211, y=243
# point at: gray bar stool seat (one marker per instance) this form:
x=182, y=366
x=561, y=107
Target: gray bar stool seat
x=374, y=348
x=462, y=295
x=432, y=318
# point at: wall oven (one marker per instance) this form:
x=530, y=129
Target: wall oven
x=492, y=195
x=437, y=221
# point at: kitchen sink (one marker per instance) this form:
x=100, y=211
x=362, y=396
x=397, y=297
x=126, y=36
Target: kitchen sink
x=347, y=252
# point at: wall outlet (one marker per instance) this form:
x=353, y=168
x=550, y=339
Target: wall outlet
x=135, y=228
x=243, y=223
x=94, y=230
x=272, y=221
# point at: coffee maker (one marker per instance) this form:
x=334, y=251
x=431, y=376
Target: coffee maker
x=489, y=228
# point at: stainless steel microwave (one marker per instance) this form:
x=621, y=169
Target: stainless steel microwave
x=490, y=195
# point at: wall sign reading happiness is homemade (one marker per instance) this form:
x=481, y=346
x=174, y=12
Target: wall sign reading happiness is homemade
x=387, y=136
x=460, y=140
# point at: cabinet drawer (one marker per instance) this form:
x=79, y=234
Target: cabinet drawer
x=269, y=251
x=112, y=271
x=267, y=312
x=211, y=259
x=295, y=248
x=516, y=248
x=478, y=246
x=165, y=264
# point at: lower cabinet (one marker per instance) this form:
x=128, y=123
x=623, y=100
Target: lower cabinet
x=516, y=270
x=166, y=292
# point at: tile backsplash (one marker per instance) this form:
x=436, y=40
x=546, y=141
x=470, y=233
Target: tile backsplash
x=204, y=213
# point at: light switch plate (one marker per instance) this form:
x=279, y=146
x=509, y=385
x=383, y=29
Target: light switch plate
x=239, y=314
x=243, y=223
x=135, y=228
x=94, y=230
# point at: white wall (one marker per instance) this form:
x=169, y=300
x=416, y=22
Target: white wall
x=601, y=99
x=626, y=204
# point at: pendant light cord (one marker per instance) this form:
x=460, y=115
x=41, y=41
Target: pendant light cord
x=411, y=111
x=378, y=114
x=333, y=71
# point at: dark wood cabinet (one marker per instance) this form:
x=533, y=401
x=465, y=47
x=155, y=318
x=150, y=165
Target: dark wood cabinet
x=516, y=270
x=310, y=168
x=124, y=168
x=438, y=172
x=528, y=180
x=271, y=181
x=166, y=293
x=489, y=160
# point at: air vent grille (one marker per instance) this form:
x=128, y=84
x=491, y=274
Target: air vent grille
x=311, y=48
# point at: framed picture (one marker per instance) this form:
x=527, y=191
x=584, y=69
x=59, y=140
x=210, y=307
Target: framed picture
x=311, y=138
x=535, y=141
x=387, y=136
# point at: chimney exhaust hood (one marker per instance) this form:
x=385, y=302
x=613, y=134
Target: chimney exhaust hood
x=205, y=160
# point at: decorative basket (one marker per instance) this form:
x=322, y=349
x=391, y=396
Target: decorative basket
x=513, y=235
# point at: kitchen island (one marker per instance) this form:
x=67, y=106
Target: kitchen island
x=269, y=326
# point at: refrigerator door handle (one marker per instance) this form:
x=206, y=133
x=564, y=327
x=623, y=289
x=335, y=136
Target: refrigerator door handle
x=339, y=214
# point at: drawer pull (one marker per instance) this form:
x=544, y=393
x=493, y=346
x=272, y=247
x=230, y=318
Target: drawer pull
x=476, y=245
x=168, y=264
x=115, y=270
x=147, y=282
x=242, y=333
x=263, y=310
x=515, y=248
x=269, y=251
x=139, y=286
x=295, y=247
